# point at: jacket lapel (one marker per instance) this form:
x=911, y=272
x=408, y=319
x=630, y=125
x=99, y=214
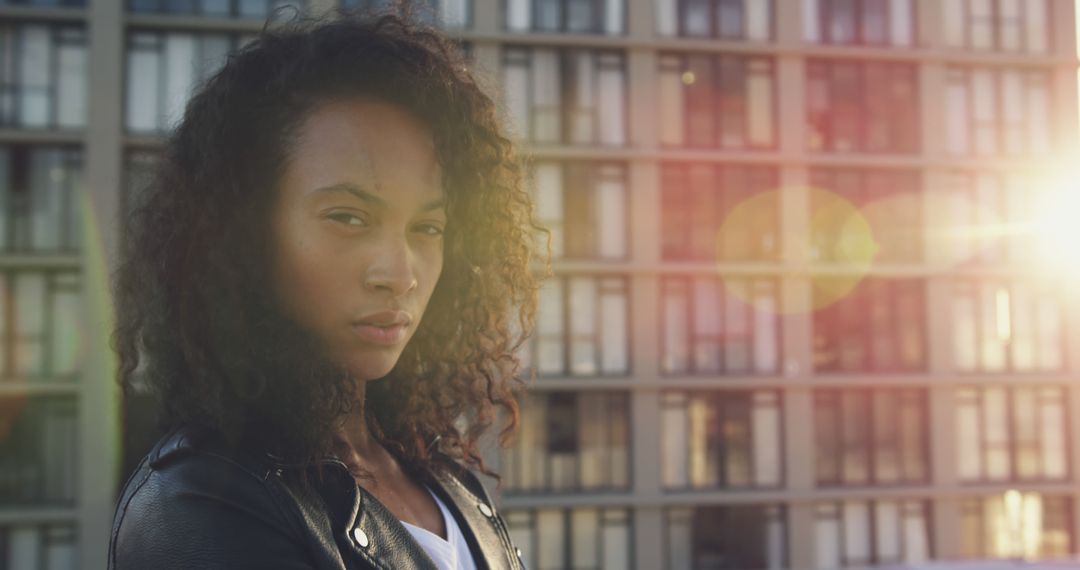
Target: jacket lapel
x=477, y=520
x=362, y=526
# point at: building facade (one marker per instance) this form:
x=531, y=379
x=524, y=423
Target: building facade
x=792, y=323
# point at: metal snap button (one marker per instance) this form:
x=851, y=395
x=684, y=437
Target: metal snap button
x=517, y=551
x=485, y=510
x=360, y=537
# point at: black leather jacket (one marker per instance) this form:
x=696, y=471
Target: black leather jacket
x=195, y=504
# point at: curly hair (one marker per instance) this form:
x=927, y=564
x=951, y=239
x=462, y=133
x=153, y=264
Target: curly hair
x=196, y=325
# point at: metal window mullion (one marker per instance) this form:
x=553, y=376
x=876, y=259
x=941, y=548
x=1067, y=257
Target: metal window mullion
x=716, y=66
x=1013, y=445
x=52, y=78
x=7, y=334
x=597, y=338
x=19, y=48
x=689, y=396
x=751, y=434
x=162, y=79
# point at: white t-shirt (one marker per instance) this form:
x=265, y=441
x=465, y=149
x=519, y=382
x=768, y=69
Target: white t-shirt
x=450, y=554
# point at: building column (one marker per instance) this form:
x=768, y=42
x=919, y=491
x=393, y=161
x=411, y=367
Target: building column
x=98, y=407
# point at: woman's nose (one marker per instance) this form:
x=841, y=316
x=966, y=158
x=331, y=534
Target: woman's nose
x=391, y=269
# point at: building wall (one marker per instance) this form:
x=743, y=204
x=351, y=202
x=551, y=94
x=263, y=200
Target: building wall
x=601, y=475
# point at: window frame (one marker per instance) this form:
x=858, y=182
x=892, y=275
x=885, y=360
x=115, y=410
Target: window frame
x=833, y=398
x=751, y=66
x=613, y=515
x=616, y=406
x=822, y=77
x=716, y=403
x=60, y=35
x=824, y=29
x=904, y=508
x=975, y=396
x=759, y=179
x=693, y=368
x=848, y=319
x=996, y=24
x=774, y=512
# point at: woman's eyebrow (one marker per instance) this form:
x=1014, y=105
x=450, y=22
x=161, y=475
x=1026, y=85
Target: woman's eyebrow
x=350, y=188
x=367, y=196
x=436, y=204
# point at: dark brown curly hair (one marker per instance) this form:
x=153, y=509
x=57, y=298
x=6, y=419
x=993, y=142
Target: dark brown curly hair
x=196, y=324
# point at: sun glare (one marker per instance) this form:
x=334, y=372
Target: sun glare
x=1054, y=225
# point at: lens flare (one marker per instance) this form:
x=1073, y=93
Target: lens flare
x=1054, y=225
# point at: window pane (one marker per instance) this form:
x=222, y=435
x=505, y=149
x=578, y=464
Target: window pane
x=676, y=327
x=900, y=21
x=767, y=440
x=675, y=440
x=611, y=112
x=955, y=22
x=71, y=82
x=38, y=453
x=811, y=21
x=613, y=309
x=583, y=320
x=1035, y=18
x=758, y=19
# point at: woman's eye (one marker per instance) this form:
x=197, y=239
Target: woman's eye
x=347, y=219
x=430, y=229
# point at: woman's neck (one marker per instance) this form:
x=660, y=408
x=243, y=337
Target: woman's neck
x=357, y=446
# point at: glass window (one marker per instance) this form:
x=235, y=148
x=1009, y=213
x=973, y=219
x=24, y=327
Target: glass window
x=1002, y=25
x=219, y=8
x=42, y=76
x=451, y=14
x=40, y=199
x=713, y=326
x=570, y=441
x=871, y=437
x=860, y=534
x=38, y=450
x=997, y=112
x=728, y=537
x=1006, y=327
x=38, y=546
x=584, y=207
x=1017, y=525
x=574, y=16
x=40, y=314
x=581, y=327
x=978, y=201
x=879, y=325
x=717, y=101
x=728, y=439
x=1012, y=434
x=566, y=96
x=889, y=202
x=164, y=69
x=724, y=19
x=726, y=212
x=862, y=107
x=579, y=538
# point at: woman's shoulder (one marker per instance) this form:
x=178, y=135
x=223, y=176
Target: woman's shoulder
x=194, y=501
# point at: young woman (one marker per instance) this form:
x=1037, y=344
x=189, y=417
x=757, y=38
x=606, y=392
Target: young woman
x=322, y=287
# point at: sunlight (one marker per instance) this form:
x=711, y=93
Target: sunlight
x=1054, y=225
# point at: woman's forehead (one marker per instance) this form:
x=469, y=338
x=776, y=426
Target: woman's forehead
x=370, y=144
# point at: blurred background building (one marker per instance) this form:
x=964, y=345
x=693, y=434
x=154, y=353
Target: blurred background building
x=806, y=310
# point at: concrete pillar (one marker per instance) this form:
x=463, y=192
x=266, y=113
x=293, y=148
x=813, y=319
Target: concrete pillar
x=99, y=417
x=485, y=16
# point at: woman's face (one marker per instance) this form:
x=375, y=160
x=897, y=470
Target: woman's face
x=357, y=226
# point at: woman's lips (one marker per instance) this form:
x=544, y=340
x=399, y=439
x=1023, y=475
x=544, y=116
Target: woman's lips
x=383, y=336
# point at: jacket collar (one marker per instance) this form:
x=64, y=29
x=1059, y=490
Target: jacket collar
x=358, y=510
x=342, y=507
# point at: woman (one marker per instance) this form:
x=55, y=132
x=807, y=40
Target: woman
x=321, y=287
